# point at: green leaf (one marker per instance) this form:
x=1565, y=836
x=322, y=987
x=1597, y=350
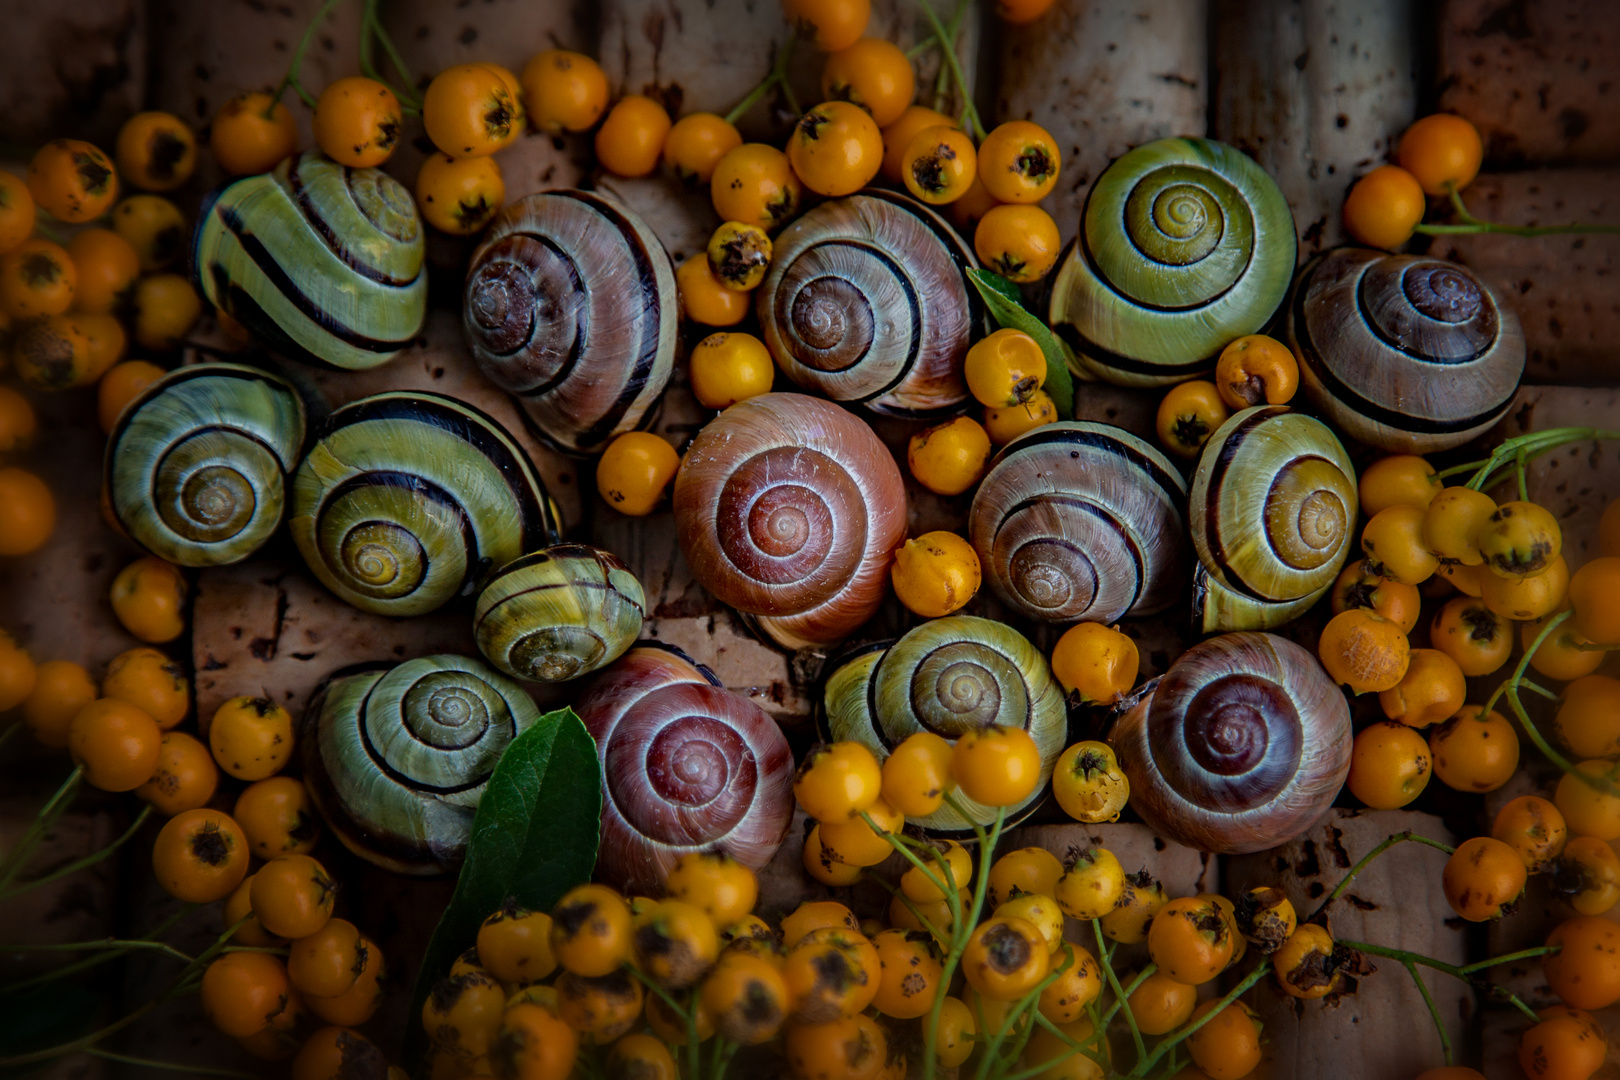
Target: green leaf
x=1006, y=307
x=534, y=838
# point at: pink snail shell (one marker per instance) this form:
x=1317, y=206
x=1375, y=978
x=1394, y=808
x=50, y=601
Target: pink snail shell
x=687, y=765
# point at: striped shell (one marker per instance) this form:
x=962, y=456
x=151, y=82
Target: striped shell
x=949, y=676
x=1272, y=513
x=196, y=468
x=687, y=765
x=396, y=757
x=1077, y=520
x=1241, y=746
x=867, y=302
x=408, y=497
x=322, y=262
x=788, y=508
x=1407, y=353
x=570, y=304
x=1184, y=245
x=559, y=613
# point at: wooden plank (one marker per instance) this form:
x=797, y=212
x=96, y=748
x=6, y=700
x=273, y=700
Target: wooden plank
x=1537, y=79
x=1103, y=78
x=76, y=70
x=1316, y=92
x=1561, y=287
x=1384, y=1029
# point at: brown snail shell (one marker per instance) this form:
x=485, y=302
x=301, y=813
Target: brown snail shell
x=788, y=508
x=1242, y=745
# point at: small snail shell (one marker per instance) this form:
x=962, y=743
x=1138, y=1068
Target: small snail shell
x=1184, y=245
x=867, y=301
x=950, y=676
x=559, y=613
x=196, y=467
x=1405, y=352
x=1081, y=521
x=1240, y=746
x=396, y=757
x=322, y=262
x=570, y=304
x=788, y=508
x=687, y=765
x=407, y=497
x=1272, y=513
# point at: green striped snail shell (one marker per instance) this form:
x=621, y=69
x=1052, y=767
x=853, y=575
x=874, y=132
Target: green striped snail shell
x=1184, y=245
x=196, y=468
x=559, y=613
x=570, y=304
x=1241, y=746
x=396, y=756
x=867, y=301
x=321, y=262
x=1077, y=520
x=1272, y=513
x=789, y=508
x=1404, y=352
x=408, y=497
x=950, y=676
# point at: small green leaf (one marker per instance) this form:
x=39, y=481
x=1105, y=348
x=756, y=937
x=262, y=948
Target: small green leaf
x=534, y=838
x=1006, y=307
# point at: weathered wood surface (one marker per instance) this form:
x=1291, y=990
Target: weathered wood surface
x=1314, y=92
x=1384, y=1029
x=1535, y=76
x=76, y=69
x=1103, y=78
x=1563, y=288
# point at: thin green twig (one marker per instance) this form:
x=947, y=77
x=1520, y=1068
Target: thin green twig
x=1383, y=846
x=1434, y=1010
x=290, y=79
x=1168, y=1044
x=54, y=807
x=121, y=944
x=88, y=861
x=168, y=1066
x=970, y=114
x=776, y=77
x=1119, y=993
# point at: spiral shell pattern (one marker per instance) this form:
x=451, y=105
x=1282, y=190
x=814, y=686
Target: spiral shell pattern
x=687, y=765
x=570, y=304
x=322, y=262
x=1184, y=245
x=1242, y=745
x=196, y=468
x=788, y=508
x=396, y=757
x=1407, y=353
x=1272, y=513
x=407, y=497
x=1077, y=520
x=559, y=613
x=867, y=301
x=950, y=676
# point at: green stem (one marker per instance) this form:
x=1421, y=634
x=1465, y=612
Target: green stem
x=53, y=808
x=1534, y=687
x=168, y=1066
x=958, y=940
x=1508, y=958
x=776, y=77
x=410, y=99
x=10, y=731
x=970, y=114
x=1027, y=1003
x=1466, y=975
x=121, y=944
x=95, y=960
x=1512, y=230
x=1385, y=845
x=291, y=77
x=1141, y=977
x=87, y=861
x=1171, y=1042
x=1119, y=992
x=921, y=47
x=1434, y=1010
x=1524, y=661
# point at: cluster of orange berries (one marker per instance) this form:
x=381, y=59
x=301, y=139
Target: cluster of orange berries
x=1437, y=155
x=1252, y=370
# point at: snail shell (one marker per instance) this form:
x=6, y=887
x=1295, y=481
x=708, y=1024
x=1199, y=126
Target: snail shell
x=1184, y=245
x=1078, y=520
x=867, y=301
x=1239, y=747
x=322, y=262
x=687, y=765
x=196, y=467
x=950, y=676
x=1272, y=513
x=1404, y=352
x=559, y=613
x=570, y=304
x=396, y=757
x=407, y=497
x=788, y=508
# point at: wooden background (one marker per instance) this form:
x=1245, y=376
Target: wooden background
x=1316, y=90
